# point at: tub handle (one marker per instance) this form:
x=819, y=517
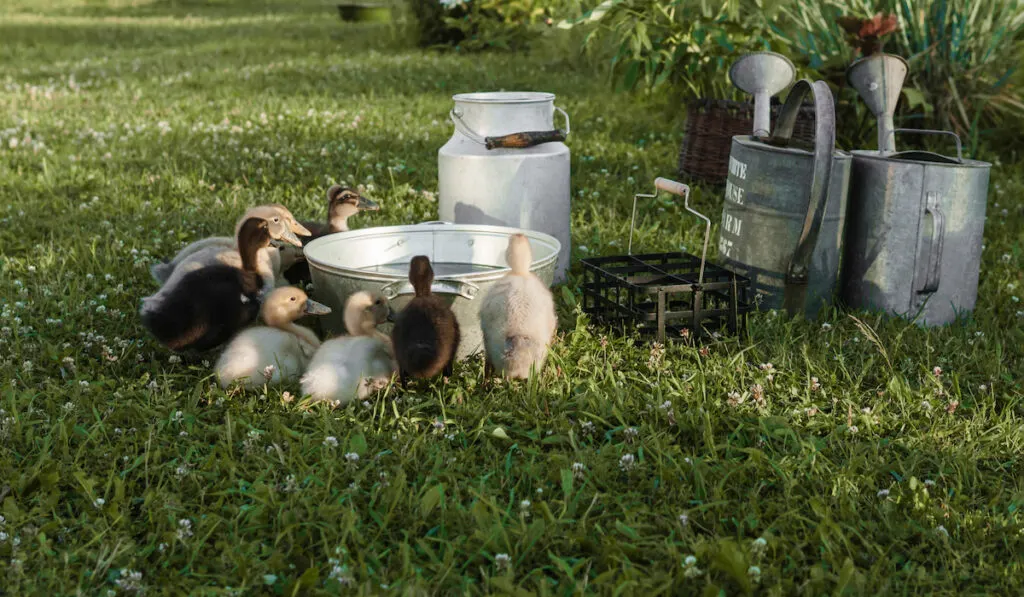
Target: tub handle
x=931, y=207
x=682, y=190
x=466, y=290
x=512, y=141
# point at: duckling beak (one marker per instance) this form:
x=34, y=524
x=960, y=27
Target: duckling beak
x=298, y=228
x=289, y=237
x=367, y=205
x=315, y=308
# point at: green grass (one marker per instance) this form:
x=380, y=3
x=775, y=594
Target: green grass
x=886, y=479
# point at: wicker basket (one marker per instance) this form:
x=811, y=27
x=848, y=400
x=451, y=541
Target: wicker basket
x=711, y=125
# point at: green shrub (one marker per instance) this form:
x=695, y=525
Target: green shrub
x=685, y=46
x=475, y=25
x=962, y=55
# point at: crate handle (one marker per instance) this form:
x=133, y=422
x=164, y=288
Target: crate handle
x=682, y=190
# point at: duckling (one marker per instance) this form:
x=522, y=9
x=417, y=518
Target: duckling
x=210, y=304
x=357, y=365
x=426, y=333
x=342, y=203
x=281, y=348
x=281, y=220
x=268, y=259
x=517, y=316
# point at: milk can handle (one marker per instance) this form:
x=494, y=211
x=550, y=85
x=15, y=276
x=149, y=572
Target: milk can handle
x=931, y=206
x=512, y=141
x=680, y=189
x=797, y=274
x=959, y=146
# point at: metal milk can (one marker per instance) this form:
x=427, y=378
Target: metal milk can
x=784, y=210
x=506, y=165
x=916, y=218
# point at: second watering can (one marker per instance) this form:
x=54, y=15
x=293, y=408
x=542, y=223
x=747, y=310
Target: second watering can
x=917, y=218
x=784, y=211
x=506, y=165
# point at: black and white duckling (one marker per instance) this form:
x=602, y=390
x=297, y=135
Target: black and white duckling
x=281, y=223
x=342, y=203
x=517, y=316
x=357, y=365
x=209, y=305
x=276, y=352
x=426, y=334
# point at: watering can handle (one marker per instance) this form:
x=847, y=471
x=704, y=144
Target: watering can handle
x=931, y=206
x=512, y=141
x=798, y=273
x=680, y=189
x=959, y=146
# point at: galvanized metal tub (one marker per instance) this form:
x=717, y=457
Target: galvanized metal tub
x=914, y=234
x=467, y=260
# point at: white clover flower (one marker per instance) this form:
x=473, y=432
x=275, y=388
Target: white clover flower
x=684, y=520
x=627, y=462
x=174, y=359
x=883, y=493
x=98, y=502
x=937, y=371
x=631, y=434
x=826, y=326
x=929, y=483
x=525, y=505
x=330, y=441
x=352, y=457
x=502, y=560
x=184, y=529
x=578, y=470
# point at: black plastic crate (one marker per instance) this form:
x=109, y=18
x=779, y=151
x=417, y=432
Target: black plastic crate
x=666, y=295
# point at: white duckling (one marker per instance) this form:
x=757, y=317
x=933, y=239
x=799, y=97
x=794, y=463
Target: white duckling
x=517, y=316
x=353, y=366
x=275, y=213
x=276, y=352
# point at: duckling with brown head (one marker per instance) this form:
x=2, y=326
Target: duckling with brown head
x=283, y=228
x=342, y=203
x=426, y=333
x=210, y=304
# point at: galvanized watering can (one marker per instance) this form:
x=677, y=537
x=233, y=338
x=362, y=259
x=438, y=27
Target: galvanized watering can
x=916, y=218
x=784, y=210
x=506, y=165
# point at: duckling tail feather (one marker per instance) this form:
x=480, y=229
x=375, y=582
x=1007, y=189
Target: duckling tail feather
x=161, y=271
x=522, y=353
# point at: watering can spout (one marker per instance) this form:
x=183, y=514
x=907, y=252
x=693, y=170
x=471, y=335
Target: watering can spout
x=762, y=74
x=879, y=79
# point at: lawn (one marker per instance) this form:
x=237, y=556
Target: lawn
x=813, y=457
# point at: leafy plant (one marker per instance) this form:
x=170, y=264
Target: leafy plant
x=962, y=55
x=476, y=25
x=684, y=45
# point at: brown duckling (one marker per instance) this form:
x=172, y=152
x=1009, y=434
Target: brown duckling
x=211, y=304
x=426, y=333
x=342, y=203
